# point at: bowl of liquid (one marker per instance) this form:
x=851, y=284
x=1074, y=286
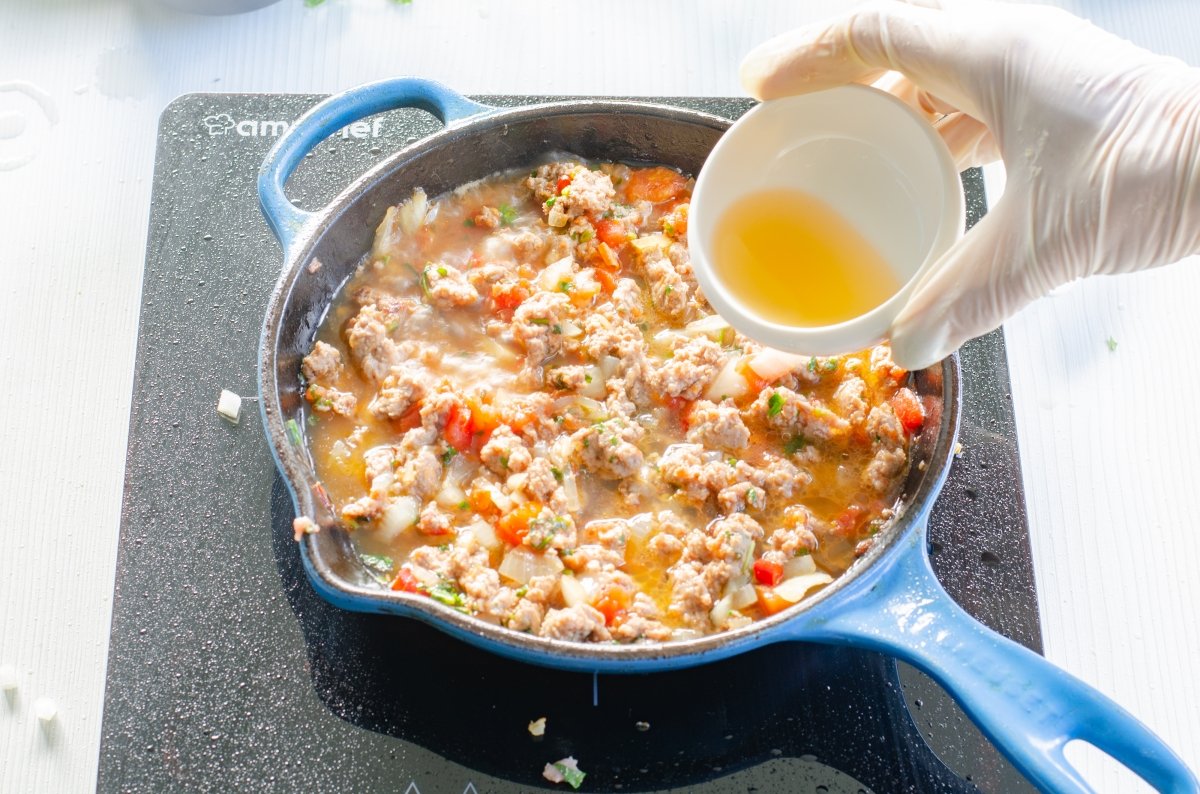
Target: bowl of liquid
x=815, y=216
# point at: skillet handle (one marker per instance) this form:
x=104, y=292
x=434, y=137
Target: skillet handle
x=330, y=115
x=1026, y=706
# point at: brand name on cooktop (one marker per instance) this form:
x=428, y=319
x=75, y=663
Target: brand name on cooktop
x=225, y=124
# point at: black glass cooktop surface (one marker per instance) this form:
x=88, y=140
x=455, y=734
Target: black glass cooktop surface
x=227, y=673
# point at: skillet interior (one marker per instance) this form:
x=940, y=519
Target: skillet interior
x=611, y=130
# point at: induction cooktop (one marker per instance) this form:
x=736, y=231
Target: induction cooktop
x=227, y=673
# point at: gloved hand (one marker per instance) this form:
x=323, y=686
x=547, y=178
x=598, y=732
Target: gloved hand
x=1100, y=139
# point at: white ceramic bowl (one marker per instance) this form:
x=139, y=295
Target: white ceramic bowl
x=870, y=158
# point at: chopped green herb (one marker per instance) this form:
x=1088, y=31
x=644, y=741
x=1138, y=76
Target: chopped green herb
x=669, y=228
x=312, y=420
x=794, y=445
x=608, y=214
x=1112, y=344
x=556, y=329
x=550, y=201
x=540, y=321
x=507, y=215
x=442, y=271
x=732, y=461
x=464, y=505
x=313, y=3
x=447, y=593
x=831, y=364
x=583, y=236
x=469, y=222
x=774, y=404
x=557, y=472
x=448, y=455
x=566, y=286
x=752, y=496
x=504, y=461
x=668, y=290
x=812, y=364
x=587, y=378
x=521, y=591
x=293, y=431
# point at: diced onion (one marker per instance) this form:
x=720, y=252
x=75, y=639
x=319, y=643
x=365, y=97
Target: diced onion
x=571, y=491
x=609, y=366
x=486, y=535
x=798, y=566
x=593, y=388
x=571, y=329
x=411, y=214
x=720, y=611
x=423, y=575
x=397, y=517
x=714, y=324
x=797, y=587
x=771, y=365
x=680, y=635
x=581, y=406
x=461, y=469
x=450, y=496
x=743, y=597
x=501, y=352
x=728, y=383
x=556, y=273
x=572, y=591
x=522, y=564
x=641, y=524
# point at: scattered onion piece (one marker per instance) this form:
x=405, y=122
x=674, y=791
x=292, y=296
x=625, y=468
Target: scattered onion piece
x=537, y=727
x=797, y=587
x=303, y=525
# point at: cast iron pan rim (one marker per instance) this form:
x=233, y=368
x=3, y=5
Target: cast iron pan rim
x=296, y=467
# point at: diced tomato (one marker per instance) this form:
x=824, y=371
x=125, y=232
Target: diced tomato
x=481, y=502
x=484, y=418
x=681, y=407
x=613, y=604
x=406, y=581
x=768, y=602
x=509, y=295
x=460, y=430
x=563, y=181
x=847, y=521
x=611, y=232
x=768, y=573
x=908, y=410
x=514, y=526
x=410, y=419
x=608, y=282
x=754, y=381
x=657, y=184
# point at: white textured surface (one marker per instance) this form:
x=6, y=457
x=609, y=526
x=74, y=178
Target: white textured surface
x=1109, y=445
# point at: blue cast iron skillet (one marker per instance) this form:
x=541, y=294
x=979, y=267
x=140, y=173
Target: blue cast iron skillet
x=888, y=601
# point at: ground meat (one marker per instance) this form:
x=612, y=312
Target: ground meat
x=421, y=475
x=741, y=497
x=668, y=291
x=505, y=452
x=487, y=218
x=699, y=473
x=400, y=390
x=322, y=365
x=849, y=398
x=780, y=477
x=717, y=425
x=785, y=409
x=574, y=624
x=609, y=449
x=327, y=399
x=448, y=288
x=372, y=348
x=627, y=299
x=689, y=371
x=883, y=469
x=537, y=325
x=486, y=274
x=884, y=428
x=541, y=482
x=570, y=378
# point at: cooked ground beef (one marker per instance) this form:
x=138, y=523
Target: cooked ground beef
x=525, y=404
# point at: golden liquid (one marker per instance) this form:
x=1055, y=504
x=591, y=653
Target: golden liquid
x=789, y=258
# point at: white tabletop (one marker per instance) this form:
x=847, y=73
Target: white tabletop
x=1109, y=443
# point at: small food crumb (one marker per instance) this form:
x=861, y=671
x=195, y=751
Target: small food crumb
x=958, y=449
x=1112, y=344
x=8, y=679
x=303, y=525
x=314, y=266
x=537, y=727
x=642, y=726
x=229, y=405
x=45, y=710
x=565, y=770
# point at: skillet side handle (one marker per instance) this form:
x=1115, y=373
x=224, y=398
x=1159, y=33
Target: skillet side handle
x=1026, y=706
x=330, y=115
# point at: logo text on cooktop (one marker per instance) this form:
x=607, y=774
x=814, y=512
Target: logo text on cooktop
x=225, y=124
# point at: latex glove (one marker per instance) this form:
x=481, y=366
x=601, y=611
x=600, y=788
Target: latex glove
x=1100, y=139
